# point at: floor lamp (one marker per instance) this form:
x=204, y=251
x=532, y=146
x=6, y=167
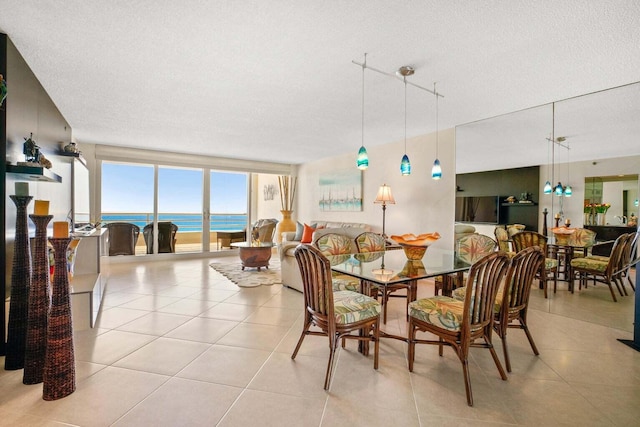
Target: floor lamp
x=384, y=197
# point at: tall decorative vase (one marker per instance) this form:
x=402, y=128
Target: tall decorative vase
x=20, y=283
x=286, y=224
x=59, y=367
x=39, y=302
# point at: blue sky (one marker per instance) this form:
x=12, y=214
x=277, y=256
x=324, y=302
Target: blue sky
x=129, y=188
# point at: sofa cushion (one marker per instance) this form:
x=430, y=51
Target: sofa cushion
x=299, y=230
x=307, y=234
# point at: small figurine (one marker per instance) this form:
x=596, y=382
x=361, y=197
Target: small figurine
x=46, y=163
x=31, y=150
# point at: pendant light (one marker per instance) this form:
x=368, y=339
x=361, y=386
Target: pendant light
x=363, y=158
x=405, y=164
x=436, y=170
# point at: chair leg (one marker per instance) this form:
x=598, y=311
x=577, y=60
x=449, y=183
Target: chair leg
x=333, y=344
x=631, y=282
x=305, y=329
x=503, y=374
x=529, y=337
x=505, y=350
x=376, y=349
x=385, y=300
x=467, y=380
x=613, y=294
x=440, y=347
x=620, y=280
x=412, y=344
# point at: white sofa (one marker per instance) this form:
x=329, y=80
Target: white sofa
x=288, y=265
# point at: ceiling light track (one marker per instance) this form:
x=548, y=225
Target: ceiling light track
x=398, y=75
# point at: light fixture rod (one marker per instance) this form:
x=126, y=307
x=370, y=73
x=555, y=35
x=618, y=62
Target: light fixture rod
x=364, y=65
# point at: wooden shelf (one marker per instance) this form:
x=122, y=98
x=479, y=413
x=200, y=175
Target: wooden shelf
x=511, y=205
x=33, y=173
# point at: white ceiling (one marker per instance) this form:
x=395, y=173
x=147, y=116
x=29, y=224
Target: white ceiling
x=273, y=80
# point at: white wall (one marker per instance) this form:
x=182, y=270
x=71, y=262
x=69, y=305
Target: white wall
x=422, y=204
x=266, y=208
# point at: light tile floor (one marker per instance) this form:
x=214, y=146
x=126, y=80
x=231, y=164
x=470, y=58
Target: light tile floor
x=177, y=344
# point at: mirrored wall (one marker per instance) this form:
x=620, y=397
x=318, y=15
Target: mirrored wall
x=590, y=143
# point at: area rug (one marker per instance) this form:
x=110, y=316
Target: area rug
x=249, y=277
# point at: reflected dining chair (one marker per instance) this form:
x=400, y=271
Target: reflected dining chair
x=373, y=242
x=629, y=255
x=123, y=237
x=512, y=300
x=336, y=314
x=502, y=237
x=602, y=269
x=460, y=323
x=582, y=238
x=549, y=269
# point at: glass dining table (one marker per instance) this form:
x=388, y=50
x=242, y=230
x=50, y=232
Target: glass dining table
x=389, y=268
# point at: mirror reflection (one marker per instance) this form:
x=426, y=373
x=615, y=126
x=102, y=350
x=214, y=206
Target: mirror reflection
x=589, y=143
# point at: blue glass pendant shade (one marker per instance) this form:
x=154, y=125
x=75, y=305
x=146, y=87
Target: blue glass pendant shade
x=568, y=192
x=405, y=165
x=363, y=159
x=436, y=170
x=547, y=188
x=559, y=189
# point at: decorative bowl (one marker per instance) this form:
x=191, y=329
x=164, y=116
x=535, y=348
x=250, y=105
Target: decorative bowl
x=415, y=246
x=562, y=234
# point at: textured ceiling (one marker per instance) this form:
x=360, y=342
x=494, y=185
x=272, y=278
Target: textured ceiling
x=273, y=80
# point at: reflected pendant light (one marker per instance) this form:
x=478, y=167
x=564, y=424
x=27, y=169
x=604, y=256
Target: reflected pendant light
x=436, y=170
x=558, y=189
x=405, y=164
x=547, y=188
x=568, y=192
x=547, y=185
x=363, y=158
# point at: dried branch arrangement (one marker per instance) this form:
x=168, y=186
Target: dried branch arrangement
x=288, y=186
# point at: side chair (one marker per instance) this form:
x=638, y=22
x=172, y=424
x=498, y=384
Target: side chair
x=372, y=242
x=459, y=324
x=469, y=249
x=513, y=301
x=549, y=269
x=122, y=238
x=338, y=244
x=602, y=269
x=336, y=314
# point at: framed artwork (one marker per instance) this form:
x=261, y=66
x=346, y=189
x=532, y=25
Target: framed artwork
x=341, y=191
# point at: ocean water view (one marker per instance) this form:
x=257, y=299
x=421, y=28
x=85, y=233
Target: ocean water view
x=185, y=222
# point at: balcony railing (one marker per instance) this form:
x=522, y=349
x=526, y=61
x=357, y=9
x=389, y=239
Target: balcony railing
x=189, y=236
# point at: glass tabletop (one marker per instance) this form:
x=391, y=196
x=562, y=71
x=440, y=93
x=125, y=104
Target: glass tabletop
x=393, y=266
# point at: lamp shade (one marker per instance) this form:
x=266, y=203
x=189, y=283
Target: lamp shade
x=559, y=189
x=363, y=159
x=405, y=165
x=436, y=170
x=547, y=188
x=384, y=196
x=568, y=192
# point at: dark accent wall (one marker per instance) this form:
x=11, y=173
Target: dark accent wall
x=28, y=108
x=504, y=183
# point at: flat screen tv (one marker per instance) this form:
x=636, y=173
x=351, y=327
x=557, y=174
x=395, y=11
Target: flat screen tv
x=483, y=209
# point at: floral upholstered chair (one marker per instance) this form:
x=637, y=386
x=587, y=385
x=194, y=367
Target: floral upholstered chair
x=338, y=244
x=549, y=270
x=470, y=249
x=459, y=323
x=502, y=237
x=584, y=238
x=336, y=314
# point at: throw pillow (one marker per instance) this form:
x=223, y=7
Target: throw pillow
x=307, y=234
x=299, y=231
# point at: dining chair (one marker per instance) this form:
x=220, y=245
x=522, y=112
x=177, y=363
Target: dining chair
x=600, y=268
x=512, y=301
x=336, y=314
x=549, y=269
x=372, y=242
x=582, y=238
x=629, y=255
x=468, y=249
x=122, y=238
x=459, y=324
x=502, y=237
x=338, y=244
